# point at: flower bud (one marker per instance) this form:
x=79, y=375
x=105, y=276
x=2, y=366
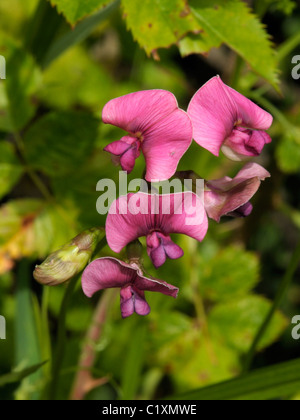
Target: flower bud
x=134, y=251
x=69, y=260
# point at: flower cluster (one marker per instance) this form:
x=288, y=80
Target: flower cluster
x=218, y=119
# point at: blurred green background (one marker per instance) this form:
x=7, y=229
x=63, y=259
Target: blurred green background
x=61, y=70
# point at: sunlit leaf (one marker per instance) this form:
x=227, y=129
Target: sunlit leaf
x=158, y=23
x=237, y=322
x=230, y=273
x=231, y=22
x=277, y=381
x=75, y=10
x=66, y=83
x=31, y=228
x=195, y=358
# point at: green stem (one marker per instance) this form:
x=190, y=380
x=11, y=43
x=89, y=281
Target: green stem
x=61, y=338
x=286, y=124
x=286, y=282
x=237, y=72
x=42, y=30
x=84, y=381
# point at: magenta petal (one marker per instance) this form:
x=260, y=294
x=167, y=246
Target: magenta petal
x=243, y=211
x=126, y=302
x=133, y=300
x=155, y=285
x=121, y=229
x=226, y=195
x=159, y=247
x=117, y=147
x=158, y=256
x=213, y=114
x=244, y=142
x=216, y=109
x=173, y=250
x=127, y=160
x=165, y=144
x=105, y=273
x=251, y=115
x=139, y=111
x=154, y=119
x=141, y=306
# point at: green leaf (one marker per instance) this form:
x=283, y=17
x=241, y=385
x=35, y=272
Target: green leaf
x=277, y=381
x=79, y=33
x=60, y=142
x=231, y=22
x=28, y=351
x=10, y=168
x=18, y=90
x=158, y=23
x=232, y=272
x=285, y=6
x=66, y=84
x=133, y=363
x=237, y=322
x=288, y=155
x=75, y=10
x=205, y=358
x=18, y=376
x=52, y=228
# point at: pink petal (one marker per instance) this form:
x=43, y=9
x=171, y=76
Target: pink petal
x=126, y=302
x=161, y=247
x=105, y=273
x=139, y=111
x=243, y=211
x=165, y=143
x=251, y=115
x=133, y=300
x=121, y=229
x=117, y=147
x=216, y=109
x=163, y=130
x=226, y=195
x=244, y=142
x=154, y=285
x=127, y=160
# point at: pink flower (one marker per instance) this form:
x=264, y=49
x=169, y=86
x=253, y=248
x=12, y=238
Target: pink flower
x=224, y=119
x=227, y=196
x=155, y=126
x=105, y=273
x=156, y=217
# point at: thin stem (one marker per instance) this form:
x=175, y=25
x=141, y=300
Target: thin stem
x=286, y=124
x=84, y=382
x=237, y=72
x=34, y=177
x=61, y=338
x=39, y=183
x=286, y=282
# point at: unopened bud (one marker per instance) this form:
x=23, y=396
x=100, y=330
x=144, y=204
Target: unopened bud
x=134, y=251
x=70, y=260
